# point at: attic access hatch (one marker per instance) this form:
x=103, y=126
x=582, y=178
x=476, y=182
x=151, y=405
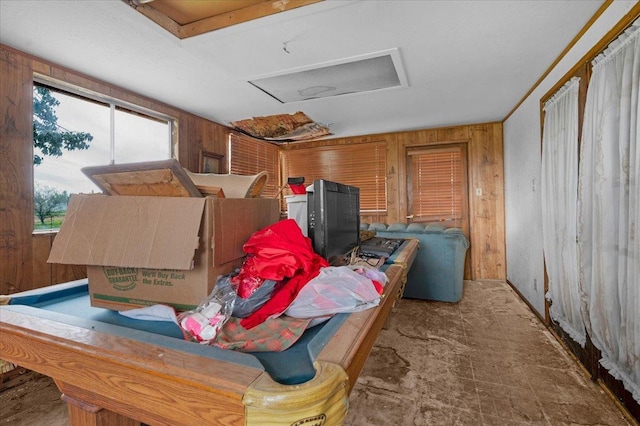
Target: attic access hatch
x=188, y=18
x=363, y=73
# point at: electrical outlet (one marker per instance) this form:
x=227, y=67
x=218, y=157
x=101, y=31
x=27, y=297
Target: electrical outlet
x=535, y=284
x=478, y=192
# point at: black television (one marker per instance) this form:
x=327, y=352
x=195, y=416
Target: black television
x=333, y=225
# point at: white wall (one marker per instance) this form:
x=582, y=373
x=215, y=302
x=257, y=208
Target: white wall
x=522, y=154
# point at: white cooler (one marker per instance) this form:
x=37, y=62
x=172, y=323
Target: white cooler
x=297, y=210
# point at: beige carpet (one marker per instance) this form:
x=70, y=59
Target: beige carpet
x=486, y=360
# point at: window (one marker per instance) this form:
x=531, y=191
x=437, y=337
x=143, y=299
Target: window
x=249, y=156
x=111, y=134
x=360, y=165
x=437, y=184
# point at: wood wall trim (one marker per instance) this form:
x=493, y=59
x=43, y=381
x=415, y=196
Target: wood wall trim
x=614, y=32
x=90, y=85
x=205, y=132
x=587, y=358
x=16, y=172
x=350, y=140
x=566, y=50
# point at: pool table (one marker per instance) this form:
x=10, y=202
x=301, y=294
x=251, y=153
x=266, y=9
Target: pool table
x=112, y=371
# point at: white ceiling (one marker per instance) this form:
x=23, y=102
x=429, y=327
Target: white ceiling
x=466, y=61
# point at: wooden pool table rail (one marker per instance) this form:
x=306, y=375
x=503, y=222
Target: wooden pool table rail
x=111, y=379
x=351, y=346
x=151, y=383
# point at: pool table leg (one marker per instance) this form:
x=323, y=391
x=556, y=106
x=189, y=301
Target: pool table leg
x=85, y=414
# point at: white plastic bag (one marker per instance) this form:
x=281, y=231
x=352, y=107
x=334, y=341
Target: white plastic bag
x=336, y=289
x=203, y=323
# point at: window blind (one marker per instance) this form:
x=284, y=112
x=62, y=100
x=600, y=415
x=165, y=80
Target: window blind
x=360, y=165
x=437, y=184
x=249, y=156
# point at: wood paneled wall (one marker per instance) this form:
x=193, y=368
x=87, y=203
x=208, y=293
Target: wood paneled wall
x=23, y=254
x=486, y=256
x=16, y=199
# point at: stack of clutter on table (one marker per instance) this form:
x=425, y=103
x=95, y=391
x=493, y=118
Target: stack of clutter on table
x=282, y=288
x=240, y=277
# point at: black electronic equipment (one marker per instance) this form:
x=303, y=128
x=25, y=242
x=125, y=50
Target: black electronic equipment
x=379, y=247
x=333, y=219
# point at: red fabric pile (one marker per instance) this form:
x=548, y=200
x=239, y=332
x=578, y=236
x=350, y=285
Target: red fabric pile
x=280, y=252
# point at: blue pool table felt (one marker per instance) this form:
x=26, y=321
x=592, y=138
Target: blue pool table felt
x=69, y=303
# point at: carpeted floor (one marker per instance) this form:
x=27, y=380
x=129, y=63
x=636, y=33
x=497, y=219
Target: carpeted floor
x=486, y=360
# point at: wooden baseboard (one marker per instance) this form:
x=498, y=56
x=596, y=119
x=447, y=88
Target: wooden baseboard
x=540, y=317
x=587, y=359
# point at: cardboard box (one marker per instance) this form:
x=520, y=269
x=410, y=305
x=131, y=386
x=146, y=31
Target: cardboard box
x=148, y=250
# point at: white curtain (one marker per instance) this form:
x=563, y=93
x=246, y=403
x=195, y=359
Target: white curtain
x=609, y=209
x=559, y=208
